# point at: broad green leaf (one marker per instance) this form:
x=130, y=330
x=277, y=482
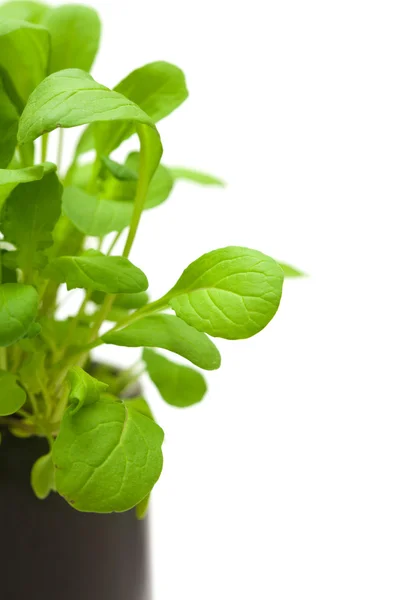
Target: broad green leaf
x=85, y=389
x=75, y=37
x=231, y=293
x=159, y=189
x=158, y=88
x=12, y=396
x=141, y=406
x=8, y=126
x=23, y=11
x=171, y=333
x=43, y=476
x=128, y=301
x=29, y=216
x=24, y=54
x=120, y=172
x=70, y=98
x=95, y=216
x=107, y=457
x=195, y=176
x=289, y=271
x=10, y=178
x=18, y=308
x=92, y=270
x=178, y=385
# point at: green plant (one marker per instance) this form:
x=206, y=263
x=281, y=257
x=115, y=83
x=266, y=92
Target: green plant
x=104, y=453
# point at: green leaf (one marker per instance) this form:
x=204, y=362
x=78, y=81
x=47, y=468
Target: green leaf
x=43, y=476
x=158, y=88
x=29, y=216
x=120, y=172
x=10, y=178
x=289, y=271
x=85, y=389
x=195, y=176
x=18, y=308
x=24, y=53
x=92, y=270
x=128, y=301
x=33, y=373
x=171, y=333
x=178, y=385
x=107, y=456
x=75, y=37
x=141, y=406
x=8, y=126
x=231, y=293
x=70, y=98
x=159, y=189
x=23, y=11
x=12, y=396
x=94, y=216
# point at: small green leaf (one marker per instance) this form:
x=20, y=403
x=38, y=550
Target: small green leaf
x=12, y=396
x=75, y=37
x=85, y=389
x=159, y=189
x=92, y=270
x=10, y=178
x=107, y=456
x=43, y=477
x=231, y=293
x=94, y=216
x=128, y=301
x=8, y=126
x=171, y=333
x=24, y=53
x=23, y=11
x=178, y=385
x=120, y=172
x=29, y=216
x=195, y=176
x=289, y=271
x=18, y=308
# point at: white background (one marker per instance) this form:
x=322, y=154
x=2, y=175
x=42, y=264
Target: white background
x=284, y=483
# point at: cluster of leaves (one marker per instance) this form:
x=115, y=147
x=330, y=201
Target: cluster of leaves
x=104, y=453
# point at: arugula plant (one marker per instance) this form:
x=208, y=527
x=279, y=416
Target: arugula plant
x=104, y=453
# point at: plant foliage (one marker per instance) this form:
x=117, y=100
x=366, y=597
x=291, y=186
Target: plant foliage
x=105, y=453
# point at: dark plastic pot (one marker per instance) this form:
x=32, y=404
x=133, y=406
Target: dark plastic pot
x=50, y=551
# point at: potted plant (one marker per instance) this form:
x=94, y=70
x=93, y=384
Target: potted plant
x=76, y=432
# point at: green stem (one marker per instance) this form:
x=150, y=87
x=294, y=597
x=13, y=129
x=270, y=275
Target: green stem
x=139, y=202
x=26, y=154
x=45, y=142
x=114, y=243
x=61, y=406
x=60, y=148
